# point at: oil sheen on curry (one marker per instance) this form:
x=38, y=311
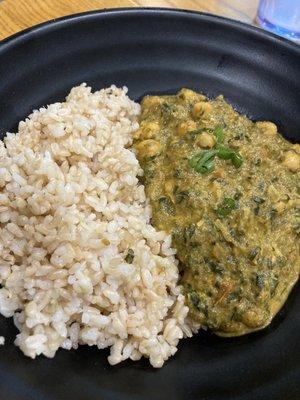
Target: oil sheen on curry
x=227, y=190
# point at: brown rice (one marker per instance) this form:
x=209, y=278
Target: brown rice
x=79, y=261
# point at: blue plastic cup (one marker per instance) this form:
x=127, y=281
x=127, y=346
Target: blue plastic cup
x=281, y=17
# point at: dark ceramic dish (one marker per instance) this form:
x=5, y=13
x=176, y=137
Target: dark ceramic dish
x=158, y=51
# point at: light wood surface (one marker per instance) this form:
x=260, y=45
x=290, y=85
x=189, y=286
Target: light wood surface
x=16, y=15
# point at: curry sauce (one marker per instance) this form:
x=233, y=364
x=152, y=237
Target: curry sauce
x=228, y=191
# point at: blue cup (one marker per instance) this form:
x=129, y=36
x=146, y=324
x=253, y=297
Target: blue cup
x=281, y=17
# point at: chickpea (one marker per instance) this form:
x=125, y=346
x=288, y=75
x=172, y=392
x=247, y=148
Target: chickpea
x=253, y=318
x=215, y=190
x=218, y=252
x=206, y=140
x=296, y=148
x=200, y=224
x=151, y=101
x=292, y=161
x=280, y=207
x=188, y=94
x=201, y=109
x=219, y=173
x=169, y=187
x=268, y=128
x=149, y=130
x=273, y=194
x=137, y=134
x=185, y=127
x=148, y=148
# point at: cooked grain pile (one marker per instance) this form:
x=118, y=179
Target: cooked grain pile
x=79, y=261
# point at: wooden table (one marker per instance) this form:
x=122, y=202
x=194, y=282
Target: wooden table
x=16, y=15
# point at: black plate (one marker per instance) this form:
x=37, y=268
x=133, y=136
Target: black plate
x=158, y=51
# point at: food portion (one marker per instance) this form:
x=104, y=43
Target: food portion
x=79, y=261
x=228, y=191
x=84, y=257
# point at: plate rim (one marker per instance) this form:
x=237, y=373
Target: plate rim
x=12, y=42
x=70, y=19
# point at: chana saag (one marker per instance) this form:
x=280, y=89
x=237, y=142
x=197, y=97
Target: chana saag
x=227, y=190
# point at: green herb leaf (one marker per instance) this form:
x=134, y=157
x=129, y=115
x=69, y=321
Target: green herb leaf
x=167, y=108
x=219, y=134
x=233, y=296
x=268, y=262
x=238, y=194
x=236, y=234
x=236, y=315
x=207, y=155
x=181, y=196
x=208, y=167
x=237, y=159
x=189, y=232
x=196, y=302
x=256, y=210
x=273, y=214
x=178, y=173
x=273, y=285
x=226, y=207
x=260, y=281
x=258, y=200
x=194, y=297
x=215, y=267
x=253, y=253
x=166, y=205
x=226, y=153
x=130, y=256
x=203, y=162
x=296, y=228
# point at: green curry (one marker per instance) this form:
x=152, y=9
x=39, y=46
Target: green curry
x=228, y=191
